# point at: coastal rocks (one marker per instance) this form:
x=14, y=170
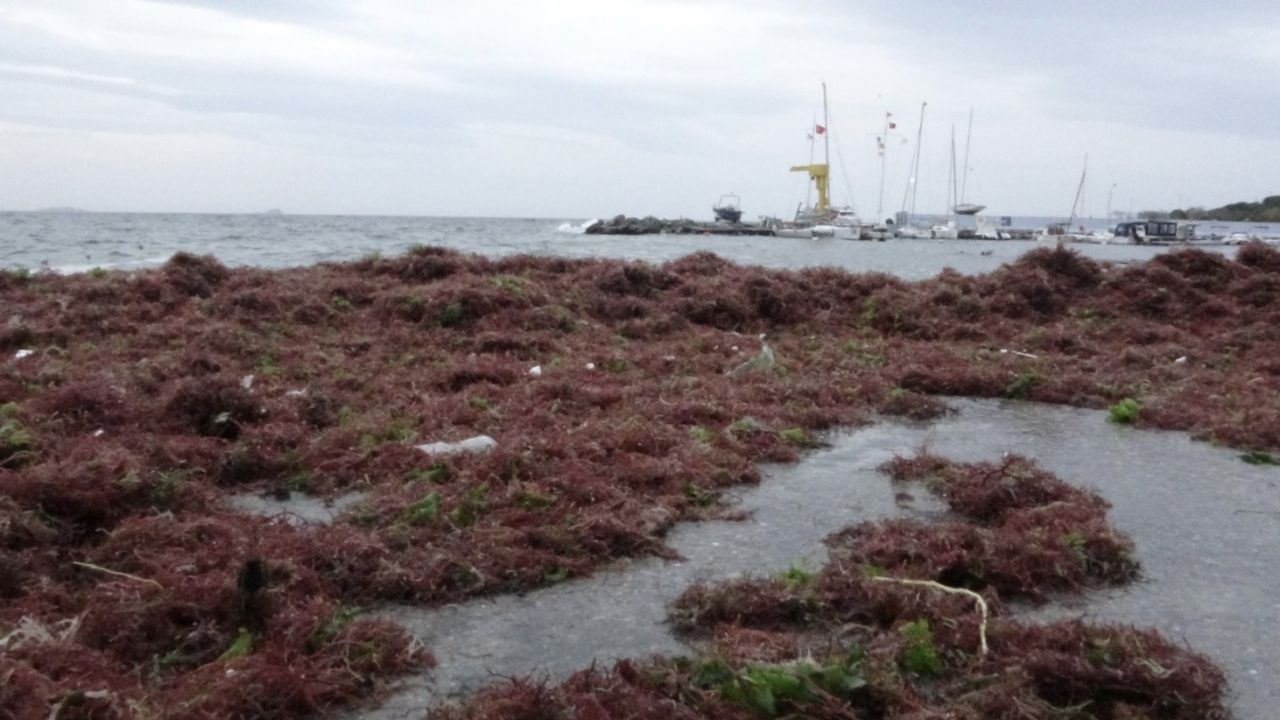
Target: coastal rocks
x=649, y=225
x=623, y=225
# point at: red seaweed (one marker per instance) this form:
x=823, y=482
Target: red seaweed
x=150, y=395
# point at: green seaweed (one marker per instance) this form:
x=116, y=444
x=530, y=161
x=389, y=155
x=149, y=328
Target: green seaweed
x=424, y=510
x=1124, y=412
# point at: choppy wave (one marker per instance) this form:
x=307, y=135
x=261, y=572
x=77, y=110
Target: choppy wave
x=68, y=243
x=576, y=229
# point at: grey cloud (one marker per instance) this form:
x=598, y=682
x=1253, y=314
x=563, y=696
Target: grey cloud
x=304, y=11
x=1072, y=65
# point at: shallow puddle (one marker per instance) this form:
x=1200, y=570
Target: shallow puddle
x=1206, y=525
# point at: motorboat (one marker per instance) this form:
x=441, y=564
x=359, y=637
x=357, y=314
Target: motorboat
x=1062, y=232
x=728, y=208
x=912, y=232
x=838, y=223
x=948, y=231
x=1149, y=232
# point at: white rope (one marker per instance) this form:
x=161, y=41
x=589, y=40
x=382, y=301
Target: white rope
x=982, y=604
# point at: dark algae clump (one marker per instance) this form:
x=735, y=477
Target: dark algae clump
x=131, y=587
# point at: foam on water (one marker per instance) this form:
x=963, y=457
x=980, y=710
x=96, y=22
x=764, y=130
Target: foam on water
x=576, y=229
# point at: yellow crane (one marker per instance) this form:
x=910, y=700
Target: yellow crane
x=819, y=172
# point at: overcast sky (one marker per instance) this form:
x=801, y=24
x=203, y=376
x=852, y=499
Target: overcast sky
x=584, y=108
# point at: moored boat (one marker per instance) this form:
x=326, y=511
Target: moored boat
x=728, y=208
x=1149, y=232
x=823, y=220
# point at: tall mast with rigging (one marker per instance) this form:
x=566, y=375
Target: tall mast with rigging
x=913, y=182
x=1079, y=190
x=882, y=144
x=820, y=172
x=964, y=176
x=826, y=123
x=952, y=178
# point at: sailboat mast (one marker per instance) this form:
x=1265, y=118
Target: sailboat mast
x=964, y=178
x=951, y=180
x=808, y=189
x=1079, y=189
x=826, y=130
x=915, y=170
x=883, y=142
x=913, y=182
x=819, y=173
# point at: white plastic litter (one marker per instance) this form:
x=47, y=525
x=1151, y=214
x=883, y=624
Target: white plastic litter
x=246, y=382
x=590, y=366
x=296, y=393
x=99, y=432
x=23, y=353
x=477, y=444
x=1004, y=351
x=535, y=371
x=1181, y=360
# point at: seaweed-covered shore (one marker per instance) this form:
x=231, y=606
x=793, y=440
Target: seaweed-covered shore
x=132, y=405
x=908, y=620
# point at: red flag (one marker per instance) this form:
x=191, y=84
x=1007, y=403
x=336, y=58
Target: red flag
x=819, y=129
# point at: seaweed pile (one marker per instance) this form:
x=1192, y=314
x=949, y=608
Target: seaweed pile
x=132, y=404
x=908, y=620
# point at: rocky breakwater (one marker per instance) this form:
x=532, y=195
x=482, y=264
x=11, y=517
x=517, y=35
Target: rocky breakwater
x=649, y=225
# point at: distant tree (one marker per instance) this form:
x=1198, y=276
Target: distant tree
x=1266, y=211
x=1153, y=215
x=1191, y=213
x=1237, y=211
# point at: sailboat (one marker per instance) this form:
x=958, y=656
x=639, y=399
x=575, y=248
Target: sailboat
x=949, y=231
x=1061, y=232
x=822, y=220
x=962, y=207
x=906, y=228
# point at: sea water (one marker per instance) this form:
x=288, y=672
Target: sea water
x=78, y=241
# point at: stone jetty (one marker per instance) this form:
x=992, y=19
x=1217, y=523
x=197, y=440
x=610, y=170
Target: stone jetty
x=623, y=225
